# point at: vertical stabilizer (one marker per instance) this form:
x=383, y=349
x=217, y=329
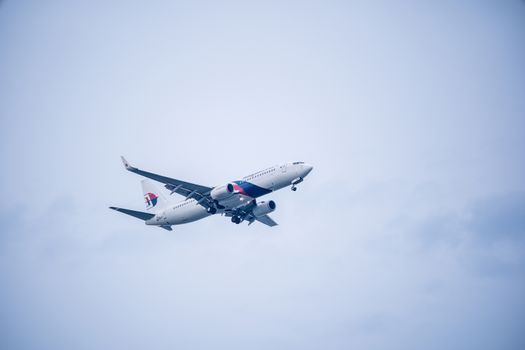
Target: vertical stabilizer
x=153, y=198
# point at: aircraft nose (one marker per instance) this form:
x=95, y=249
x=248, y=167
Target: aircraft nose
x=306, y=169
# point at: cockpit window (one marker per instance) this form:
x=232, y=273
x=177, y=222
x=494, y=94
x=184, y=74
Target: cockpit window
x=295, y=163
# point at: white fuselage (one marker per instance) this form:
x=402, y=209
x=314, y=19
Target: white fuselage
x=252, y=186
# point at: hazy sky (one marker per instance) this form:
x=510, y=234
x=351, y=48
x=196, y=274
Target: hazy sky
x=408, y=234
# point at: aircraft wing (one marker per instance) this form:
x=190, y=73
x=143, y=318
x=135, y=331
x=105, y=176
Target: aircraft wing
x=186, y=189
x=265, y=219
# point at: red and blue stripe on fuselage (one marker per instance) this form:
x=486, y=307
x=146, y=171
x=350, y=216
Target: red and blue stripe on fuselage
x=248, y=189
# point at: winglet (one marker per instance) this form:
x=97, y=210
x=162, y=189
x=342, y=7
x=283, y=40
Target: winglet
x=125, y=162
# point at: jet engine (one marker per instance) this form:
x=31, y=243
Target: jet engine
x=222, y=192
x=263, y=208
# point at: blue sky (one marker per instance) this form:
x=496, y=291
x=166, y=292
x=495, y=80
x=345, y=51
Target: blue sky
x=409, y=233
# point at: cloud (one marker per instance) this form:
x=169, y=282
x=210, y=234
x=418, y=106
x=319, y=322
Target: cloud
x=498, y=218
x=487, y=237
x=407, y=234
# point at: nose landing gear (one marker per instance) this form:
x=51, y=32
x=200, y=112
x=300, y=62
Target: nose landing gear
x=296, y=182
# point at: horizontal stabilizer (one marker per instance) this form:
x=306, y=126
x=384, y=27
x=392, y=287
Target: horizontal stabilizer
x=138, y=214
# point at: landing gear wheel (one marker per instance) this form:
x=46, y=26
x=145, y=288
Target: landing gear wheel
x=294, y=188
x=236, y=219
x=212, y=210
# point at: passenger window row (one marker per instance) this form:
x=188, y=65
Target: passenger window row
x=260, y=174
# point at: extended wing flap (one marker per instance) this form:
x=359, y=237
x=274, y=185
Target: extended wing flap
x=265, y=219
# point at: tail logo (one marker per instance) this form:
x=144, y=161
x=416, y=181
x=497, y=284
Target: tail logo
x=151, y=200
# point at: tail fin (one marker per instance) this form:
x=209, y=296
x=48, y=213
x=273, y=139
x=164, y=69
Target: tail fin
x=153, y=197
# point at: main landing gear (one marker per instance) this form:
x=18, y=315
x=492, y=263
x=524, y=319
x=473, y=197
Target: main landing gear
x=212, y=206
x=236, y=220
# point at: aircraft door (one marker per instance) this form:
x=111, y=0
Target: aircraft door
x=283, y=168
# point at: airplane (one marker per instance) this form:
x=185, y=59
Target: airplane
x=236, y=199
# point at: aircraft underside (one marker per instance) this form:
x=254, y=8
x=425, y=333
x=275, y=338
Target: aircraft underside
x=236, y=200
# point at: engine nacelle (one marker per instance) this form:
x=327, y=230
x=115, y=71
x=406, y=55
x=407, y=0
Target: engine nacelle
x=222, y=192
x=264, y=208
